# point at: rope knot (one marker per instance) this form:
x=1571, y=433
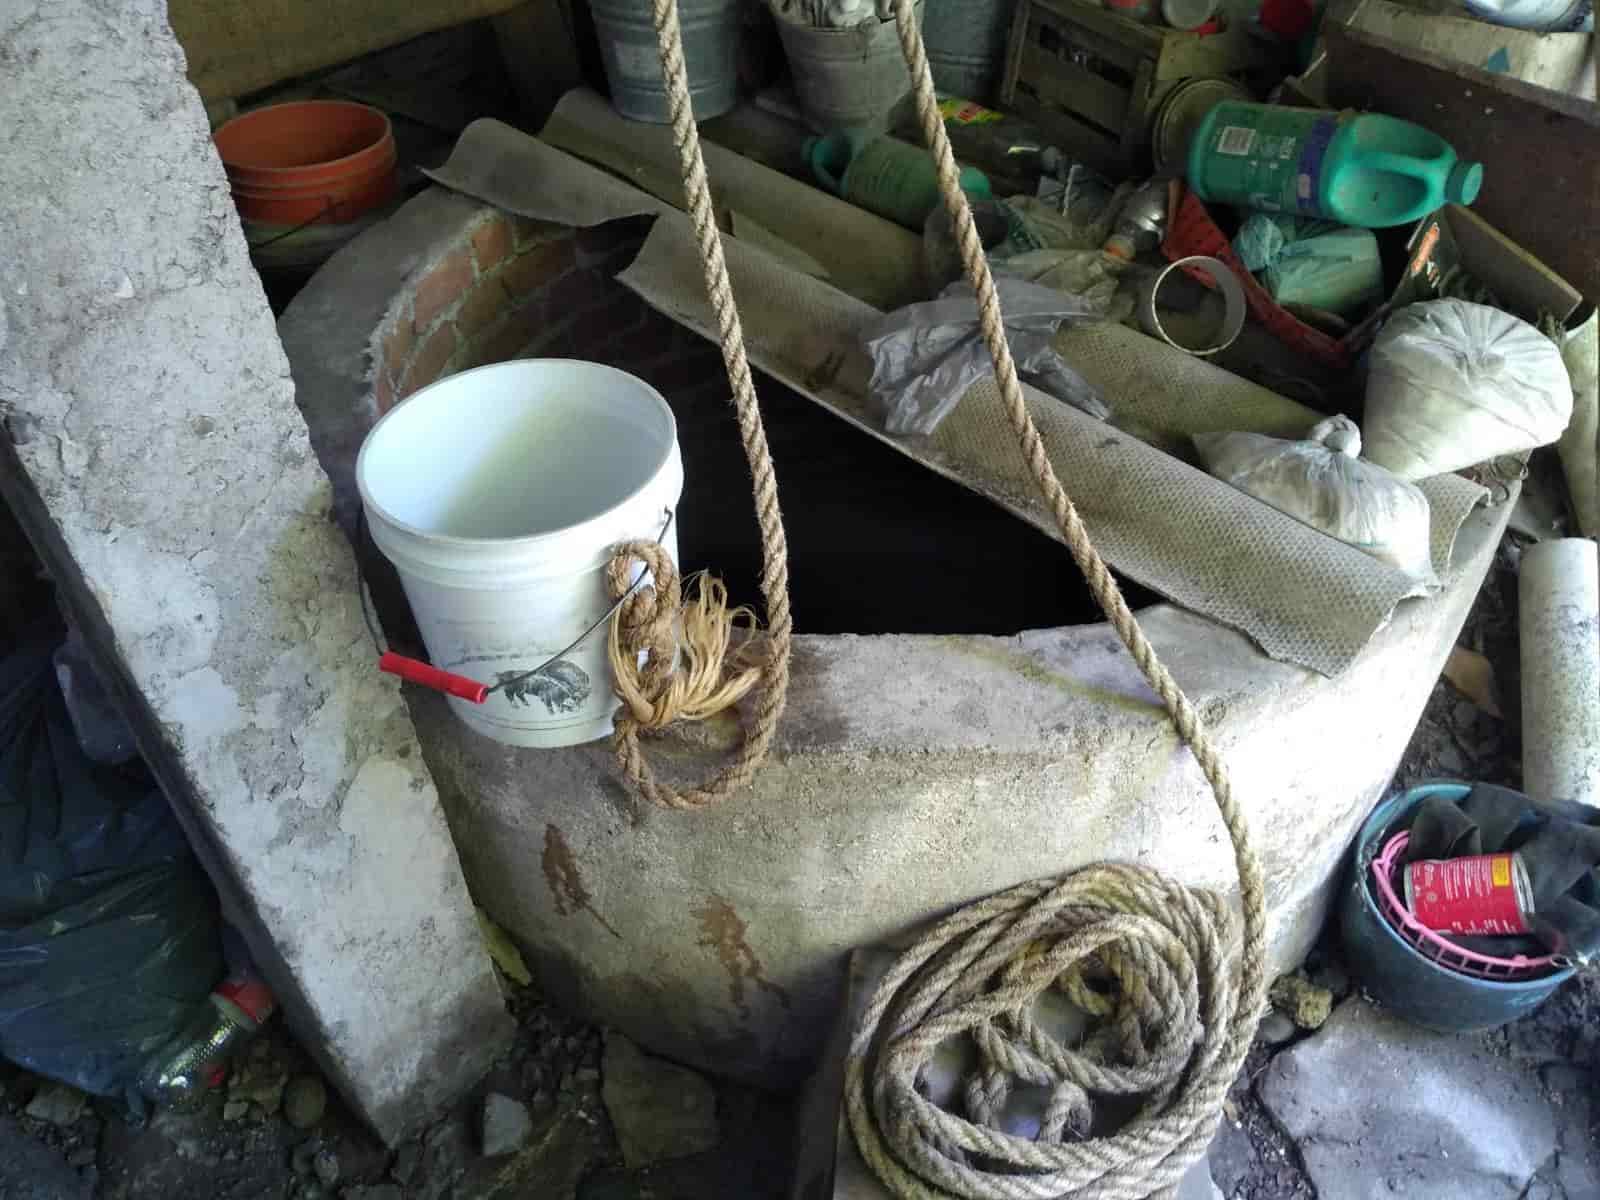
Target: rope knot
x=674, y=658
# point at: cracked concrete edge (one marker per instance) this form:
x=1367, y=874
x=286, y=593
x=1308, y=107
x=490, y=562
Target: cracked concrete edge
x=159, y=467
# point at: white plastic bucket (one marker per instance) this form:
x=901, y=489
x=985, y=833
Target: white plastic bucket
x=498, y=494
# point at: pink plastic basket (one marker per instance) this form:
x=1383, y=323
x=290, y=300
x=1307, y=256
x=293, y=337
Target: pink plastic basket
x=1386, y=870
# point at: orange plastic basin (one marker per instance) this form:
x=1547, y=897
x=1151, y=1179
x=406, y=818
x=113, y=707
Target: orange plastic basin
x=308, y=160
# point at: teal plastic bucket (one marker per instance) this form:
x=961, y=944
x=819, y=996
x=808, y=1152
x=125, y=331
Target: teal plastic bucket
x=1401, y=977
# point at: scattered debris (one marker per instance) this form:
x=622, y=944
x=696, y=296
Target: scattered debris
x=1473, y=677
x=1276, y=1028
x=326, y=1166
x=660, y=1110
x=1302, y=1001
x=57, y=1104
x=258, y=1082
x=304, y=1101
x=506, y=1125
x=503, y=951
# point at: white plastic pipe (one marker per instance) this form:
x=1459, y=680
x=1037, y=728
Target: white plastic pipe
x=1580, y=444
x=1559, y=598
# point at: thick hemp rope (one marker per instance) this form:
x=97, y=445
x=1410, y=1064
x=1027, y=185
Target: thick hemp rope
x=654, y=696
x=1149, y=957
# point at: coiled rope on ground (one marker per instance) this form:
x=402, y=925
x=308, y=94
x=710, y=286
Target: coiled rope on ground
x=1151, y=959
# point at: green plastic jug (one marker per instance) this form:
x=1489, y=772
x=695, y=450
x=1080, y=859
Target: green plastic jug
x=885, y=175
x=1360, y=169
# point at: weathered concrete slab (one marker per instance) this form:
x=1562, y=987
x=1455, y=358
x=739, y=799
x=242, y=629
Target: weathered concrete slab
x=1380, y=1108
x=157, y=459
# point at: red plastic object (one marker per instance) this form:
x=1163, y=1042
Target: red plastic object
x=1192, y=231
x=432, y=677
x=251, y=996
x=1289, y=19
x=309, y=160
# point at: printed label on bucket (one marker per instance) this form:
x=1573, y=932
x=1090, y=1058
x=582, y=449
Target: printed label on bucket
x=562, y=687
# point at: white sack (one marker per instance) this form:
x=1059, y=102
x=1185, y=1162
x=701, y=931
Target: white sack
x=1453, y=384
x=1322, y=482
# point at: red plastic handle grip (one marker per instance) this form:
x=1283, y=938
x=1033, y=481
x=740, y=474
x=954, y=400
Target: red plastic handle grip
x=432, y=677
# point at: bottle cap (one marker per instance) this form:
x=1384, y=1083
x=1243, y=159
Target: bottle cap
x=1466, y=180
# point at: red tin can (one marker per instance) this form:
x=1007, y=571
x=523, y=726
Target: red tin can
x=1482, y=894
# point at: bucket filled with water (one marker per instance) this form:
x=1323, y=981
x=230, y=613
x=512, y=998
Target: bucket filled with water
x=498, y=494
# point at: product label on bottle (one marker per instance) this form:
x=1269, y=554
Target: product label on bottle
x=967, y=112
x=1237, y=140
x=1308, y=174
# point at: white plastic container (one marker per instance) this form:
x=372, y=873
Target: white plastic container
x=498, y=494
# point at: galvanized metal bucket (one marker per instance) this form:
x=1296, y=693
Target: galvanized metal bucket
x=849, y=79
x=966, y=42
x=633, y=66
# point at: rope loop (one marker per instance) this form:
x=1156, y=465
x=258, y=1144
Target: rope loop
x=1151, y=964
x=675, y=659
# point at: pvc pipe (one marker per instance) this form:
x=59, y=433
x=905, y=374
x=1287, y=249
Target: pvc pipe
x=1580, y=444
x=1232, y=321
x=1559, y=596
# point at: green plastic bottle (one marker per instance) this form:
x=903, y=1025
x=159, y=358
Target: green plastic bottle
x=1361, y=169
x=885, y=175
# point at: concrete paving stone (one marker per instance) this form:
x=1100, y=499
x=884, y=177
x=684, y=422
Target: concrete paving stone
x=1381, y=1109
x=659, y=1110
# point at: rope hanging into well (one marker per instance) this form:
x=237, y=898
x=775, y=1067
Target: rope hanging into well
x=1147, y=956
x=654, y=695
x=1175, y=1023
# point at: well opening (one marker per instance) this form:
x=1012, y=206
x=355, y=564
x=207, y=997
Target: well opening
x=877, y=543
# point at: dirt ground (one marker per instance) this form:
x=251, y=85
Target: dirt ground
x=241, y=1146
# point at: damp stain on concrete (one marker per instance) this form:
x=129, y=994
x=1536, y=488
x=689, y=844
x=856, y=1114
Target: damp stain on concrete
x=723, y=931
x=1034, y=671
x=565, y=882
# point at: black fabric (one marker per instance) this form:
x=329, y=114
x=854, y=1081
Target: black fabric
x=108, y=927
x=1560, y=846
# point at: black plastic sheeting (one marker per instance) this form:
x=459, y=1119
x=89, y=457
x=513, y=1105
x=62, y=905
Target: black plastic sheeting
x=109, y=934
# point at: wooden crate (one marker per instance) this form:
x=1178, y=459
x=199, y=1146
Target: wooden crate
x=1094, y=80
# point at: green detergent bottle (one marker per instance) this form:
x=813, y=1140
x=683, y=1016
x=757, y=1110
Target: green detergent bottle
x=1360, y=169
x=885, y=175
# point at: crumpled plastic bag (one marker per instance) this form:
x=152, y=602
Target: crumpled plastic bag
x=1315, y=263
x=1323, y=483
x=1088, y=274
x=926, y=356
x=1452, y=384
